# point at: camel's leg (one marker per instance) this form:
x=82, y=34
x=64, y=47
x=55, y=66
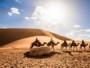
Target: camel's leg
x=76, y=48
x=61, y=48
x=81, y=48
x=49, y=47
x=66, y=48
x=53, y=48
x=84, y=48
x=71, y=48
x=31, y=47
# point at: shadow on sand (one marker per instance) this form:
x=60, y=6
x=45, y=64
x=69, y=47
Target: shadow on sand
x=42, y=56
x=69, y=52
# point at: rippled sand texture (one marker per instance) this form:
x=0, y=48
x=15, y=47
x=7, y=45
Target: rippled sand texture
x=57, y=59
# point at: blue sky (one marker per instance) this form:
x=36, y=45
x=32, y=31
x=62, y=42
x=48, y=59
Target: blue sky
x=69, y=18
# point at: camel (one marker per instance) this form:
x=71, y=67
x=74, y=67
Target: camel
x=89, y=47
x=73, y=44
x=38, y=45
x=64, y=44
x=52, y=44
x=83, y=45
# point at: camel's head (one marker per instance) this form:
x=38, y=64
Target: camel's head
x=86, y=44
x=45, y=43
x=69, y=44
x=58, y=42
x=78, y=43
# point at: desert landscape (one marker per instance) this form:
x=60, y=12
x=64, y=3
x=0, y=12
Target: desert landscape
x=15, y=50
x=44, y=33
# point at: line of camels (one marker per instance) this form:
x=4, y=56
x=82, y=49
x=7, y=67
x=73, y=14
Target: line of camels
x=51, y=44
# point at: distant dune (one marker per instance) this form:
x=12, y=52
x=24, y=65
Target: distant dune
x=11, y=35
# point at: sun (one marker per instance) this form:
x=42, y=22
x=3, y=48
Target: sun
x=55, y=12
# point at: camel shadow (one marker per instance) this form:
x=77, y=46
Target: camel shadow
x=42, y=56
x=69, y=52
x=80, y=51
x=77, y=51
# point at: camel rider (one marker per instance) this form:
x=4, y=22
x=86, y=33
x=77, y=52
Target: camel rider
x=83, y=42
x=73, y=42
x=37, y=41
x=65, y=42
x=51, y=41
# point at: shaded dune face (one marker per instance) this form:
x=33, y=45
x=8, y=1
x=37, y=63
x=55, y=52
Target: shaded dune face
x=10, y=35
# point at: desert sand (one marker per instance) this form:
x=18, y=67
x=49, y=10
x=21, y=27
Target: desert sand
x=19, y=59
x=15, y=44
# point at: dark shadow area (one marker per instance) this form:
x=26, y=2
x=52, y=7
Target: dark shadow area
x=10, y=35
x=42, y=56
x=86, y=51
x=80, y=51
x=69, y=52
x=77, y=51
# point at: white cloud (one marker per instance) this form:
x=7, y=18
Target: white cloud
x=88, y=30
x=13, y=10
x=4, y=27
x=18, y=1
x=27, y=18
x=43, y=20
x=77, y=26
x=44, y=15
x=10, y=14
x=79, y=34
x=39, y=15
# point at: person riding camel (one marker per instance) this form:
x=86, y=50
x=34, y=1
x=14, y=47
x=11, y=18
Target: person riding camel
x=37, y=41
x=51, y=41
x=73, y=42
x=83, y=42
x=65, y=42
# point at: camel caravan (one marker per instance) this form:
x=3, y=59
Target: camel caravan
x=72, y=46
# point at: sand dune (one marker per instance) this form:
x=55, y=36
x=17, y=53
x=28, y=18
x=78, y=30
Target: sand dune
x=26, y=42
x=22, y=38
x=14, y=52
x=13, y=34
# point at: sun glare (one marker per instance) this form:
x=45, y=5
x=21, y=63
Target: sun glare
x=56, y=12
x=53, y=13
